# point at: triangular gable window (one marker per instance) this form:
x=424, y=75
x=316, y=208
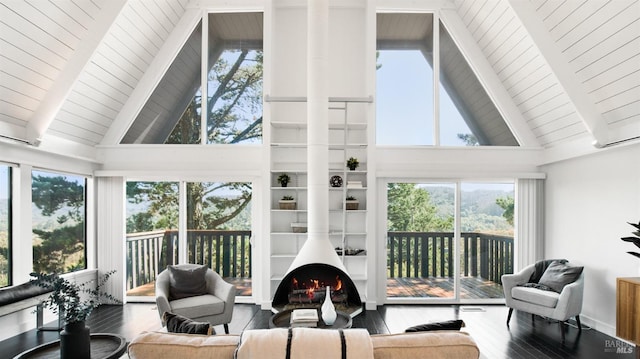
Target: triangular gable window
x=405, y=89
x=172, y=115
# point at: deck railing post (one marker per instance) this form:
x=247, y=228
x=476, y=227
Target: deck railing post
x=226, y=256
x=392, y=255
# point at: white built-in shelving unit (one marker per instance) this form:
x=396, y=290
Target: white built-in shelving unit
x=348, y=137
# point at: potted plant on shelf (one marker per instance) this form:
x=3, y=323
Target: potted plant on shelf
x=284, y=179
x=353, y=163
x=74, y=303
x=287, y=202
x=352, y=203
x=635, y=240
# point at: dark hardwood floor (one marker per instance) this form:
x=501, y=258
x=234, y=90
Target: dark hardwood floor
x=525, y=338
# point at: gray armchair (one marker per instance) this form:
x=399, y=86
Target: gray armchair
x=214, y=304
x=558, y=306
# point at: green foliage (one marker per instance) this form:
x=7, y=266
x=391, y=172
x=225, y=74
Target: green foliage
x=284, y=179
x=52, y=254
x=60, y=244
x=236, y=80
x=507, y=204
x=162, y=199
x=409, y=209
x=140, y=222
x=635, y=240
x=216, y=210
x=468, y=139
x=353, y=163
x=206, y=209
x=66, y=296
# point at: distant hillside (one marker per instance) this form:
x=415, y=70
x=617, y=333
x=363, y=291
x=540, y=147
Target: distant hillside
x=478, y=208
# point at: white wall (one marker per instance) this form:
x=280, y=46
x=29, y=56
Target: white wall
x=589, y=201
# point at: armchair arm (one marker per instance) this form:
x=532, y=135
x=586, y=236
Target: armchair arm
x=511, y=280
x=570, y=300
x=162, y=294
x=522, y=277
x=223, y=290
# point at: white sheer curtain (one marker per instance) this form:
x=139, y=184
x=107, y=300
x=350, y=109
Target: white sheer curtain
x=529, y=204
x=110, y=230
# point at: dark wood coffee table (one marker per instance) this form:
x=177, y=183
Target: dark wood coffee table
x=103, y=346
x=282, y=319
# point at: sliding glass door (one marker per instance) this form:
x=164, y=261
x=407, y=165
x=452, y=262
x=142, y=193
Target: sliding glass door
x=420, y=240
x=187, y=222
x=448, y=240
x=486, y=238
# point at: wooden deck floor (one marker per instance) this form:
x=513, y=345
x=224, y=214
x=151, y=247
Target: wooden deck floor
x=433, y=287
x=243, y=288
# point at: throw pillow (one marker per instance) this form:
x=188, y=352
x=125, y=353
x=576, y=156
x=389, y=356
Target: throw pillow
x=185, y=283
x=558, y=274
x=446, y=325
x=540, y=267
x=176, y=323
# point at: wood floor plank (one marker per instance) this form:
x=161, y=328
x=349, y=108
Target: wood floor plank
x=524, y=338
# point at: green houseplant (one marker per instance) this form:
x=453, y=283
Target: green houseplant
x=352, y=203
x=74, y=303
x=635, y=240
x=353, y=163
x=287, y=202
x=284, y=179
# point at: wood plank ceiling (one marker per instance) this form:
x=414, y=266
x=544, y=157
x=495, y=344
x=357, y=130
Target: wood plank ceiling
x=599, y=40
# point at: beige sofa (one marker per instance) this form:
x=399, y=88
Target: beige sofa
x=312, y=343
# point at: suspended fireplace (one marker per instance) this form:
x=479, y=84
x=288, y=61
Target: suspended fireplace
x=317, y=265
x=305, y=287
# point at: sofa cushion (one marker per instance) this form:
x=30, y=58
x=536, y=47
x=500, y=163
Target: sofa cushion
x=558, y=274
x=423, y=345
x=199, y=306
x=172, y=345
x=304, y=343
x=533, y=295
x=443, y=344
x=186, y=282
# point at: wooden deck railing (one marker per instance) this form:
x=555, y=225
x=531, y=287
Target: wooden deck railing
x=430, y=254
x=226, y=252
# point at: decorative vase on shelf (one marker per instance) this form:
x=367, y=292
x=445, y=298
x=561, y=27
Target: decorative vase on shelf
x=75, y=341
x=329, y=314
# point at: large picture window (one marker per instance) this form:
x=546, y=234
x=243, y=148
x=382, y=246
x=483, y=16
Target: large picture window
x=232, y=106
x=421, y=239
x=59, y=222
x=407, y=112
x=5, y=225
x=218, y=231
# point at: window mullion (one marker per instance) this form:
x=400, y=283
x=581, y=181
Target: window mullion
x=436, y=78
x=203, y=77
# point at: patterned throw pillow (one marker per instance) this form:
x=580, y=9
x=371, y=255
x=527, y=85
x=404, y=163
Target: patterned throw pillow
x=176, y=323
x=446, y=325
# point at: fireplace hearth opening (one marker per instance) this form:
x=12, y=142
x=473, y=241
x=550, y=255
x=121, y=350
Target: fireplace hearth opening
x=305, y=287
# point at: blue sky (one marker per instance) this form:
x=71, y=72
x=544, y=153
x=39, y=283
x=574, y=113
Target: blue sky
x=404, y=97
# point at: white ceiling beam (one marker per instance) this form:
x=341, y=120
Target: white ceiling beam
x=586, y=109
x=488, y=78
x=44, y=115
x=152, y=76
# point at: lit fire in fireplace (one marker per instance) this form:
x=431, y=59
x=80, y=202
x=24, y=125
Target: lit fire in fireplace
x=313, y=291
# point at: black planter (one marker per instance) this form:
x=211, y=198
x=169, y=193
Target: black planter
x=75, y=341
